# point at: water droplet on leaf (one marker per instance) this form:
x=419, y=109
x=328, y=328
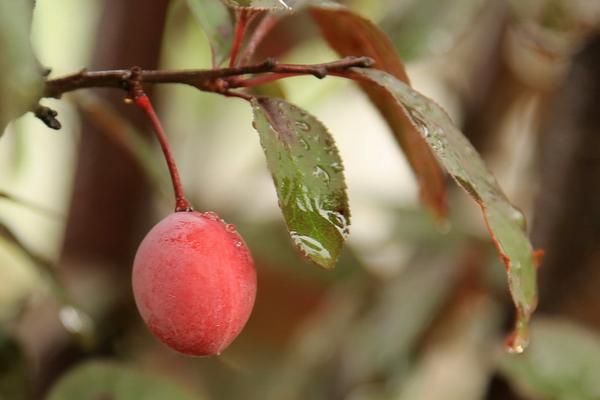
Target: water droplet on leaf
x=337, y=167
x=302, y=125
x=319, y=172
x=312, y=247
x=305, y=144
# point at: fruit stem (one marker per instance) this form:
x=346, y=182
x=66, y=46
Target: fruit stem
x=181, y=203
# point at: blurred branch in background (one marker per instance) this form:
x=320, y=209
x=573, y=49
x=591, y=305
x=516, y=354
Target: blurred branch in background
x=567, y=219
x=109, y=195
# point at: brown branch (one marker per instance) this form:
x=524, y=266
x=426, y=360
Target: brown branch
x=218, y=80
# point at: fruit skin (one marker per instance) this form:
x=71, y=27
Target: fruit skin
x=194, y=282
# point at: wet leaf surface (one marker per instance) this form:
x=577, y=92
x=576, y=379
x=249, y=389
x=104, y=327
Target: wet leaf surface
x=263, y=4
x=352, y=35
x=505, y=223
x=308, y=175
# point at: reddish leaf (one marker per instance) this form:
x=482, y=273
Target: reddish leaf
x=505, y=223
x=351, y=35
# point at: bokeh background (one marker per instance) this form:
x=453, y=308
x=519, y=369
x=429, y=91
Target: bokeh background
x=414, y=310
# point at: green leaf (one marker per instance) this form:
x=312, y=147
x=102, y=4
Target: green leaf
x=110, y=380
x=263, y=4
x=505, y=223
x=351, y=35
x=562, y=363
x=308, y=175
x=21, y=83
x=216, y=22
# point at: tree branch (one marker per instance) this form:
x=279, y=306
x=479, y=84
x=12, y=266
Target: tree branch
x=219, y=80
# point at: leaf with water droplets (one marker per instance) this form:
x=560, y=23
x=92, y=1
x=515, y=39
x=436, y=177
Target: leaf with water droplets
x=352, y=35
x=308, y=175
x=505, y=223
x=263, y=4
x=216, y=22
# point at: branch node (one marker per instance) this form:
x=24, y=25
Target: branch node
x=320, y=72
x=269, y=63
x=47, y=116
x=367, y=62
x=132, y=82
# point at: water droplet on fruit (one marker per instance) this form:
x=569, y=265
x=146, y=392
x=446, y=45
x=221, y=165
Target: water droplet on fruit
x=302, y=125
x=238, y=244
x=230, y=228
x=211, y=215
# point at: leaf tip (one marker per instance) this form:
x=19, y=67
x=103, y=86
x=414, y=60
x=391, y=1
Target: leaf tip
x=518, y=340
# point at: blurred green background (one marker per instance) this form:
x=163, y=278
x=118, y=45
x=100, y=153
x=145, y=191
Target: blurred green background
x=414, y=310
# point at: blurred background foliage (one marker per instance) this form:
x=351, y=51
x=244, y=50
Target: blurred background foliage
x=414, y=310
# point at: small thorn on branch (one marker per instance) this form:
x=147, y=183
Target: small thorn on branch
x=47, y=116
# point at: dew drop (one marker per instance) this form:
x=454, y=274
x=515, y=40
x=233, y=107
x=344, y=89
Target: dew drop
x=285, y=5
x=302, y=125
x=311, y=246
x=319, y=172
x=211, y=215
x=337, y=167
x=305, y=144
x=282, y=107
x=238, y=244
x=516, y=342
x=230, y=228
x=420, y=124
x=518, y=217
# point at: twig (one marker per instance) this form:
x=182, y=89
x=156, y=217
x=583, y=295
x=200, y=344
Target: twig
x=258, y=35
x=243, y=17
x=218, y=80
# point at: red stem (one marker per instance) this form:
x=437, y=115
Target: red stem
x=181, y=203
x=260, y=32
x=242, y=18
x=260, y=80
